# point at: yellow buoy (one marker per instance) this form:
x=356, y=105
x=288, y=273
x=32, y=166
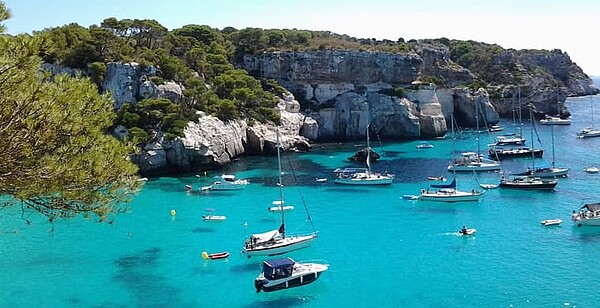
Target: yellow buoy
x=173, y=213
x=204, y=255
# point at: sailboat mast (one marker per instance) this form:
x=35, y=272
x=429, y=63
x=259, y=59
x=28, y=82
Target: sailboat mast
x=520, y=118
x=477, y=120
x=280, y=184
x=552, y=133
x=368, y=161
x=532, y=142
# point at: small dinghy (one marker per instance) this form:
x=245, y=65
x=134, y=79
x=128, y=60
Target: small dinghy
x=215, y=256
x=488, y=186
x=210, y=217
x=551, y=222
x=467, y=232
x=436, y=178
x=281, y=208
x=410, y=197
x=591, y=169
x=321, y=180
x=214, y=217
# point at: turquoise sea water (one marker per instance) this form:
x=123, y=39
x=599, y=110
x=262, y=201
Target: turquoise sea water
x=383, y=251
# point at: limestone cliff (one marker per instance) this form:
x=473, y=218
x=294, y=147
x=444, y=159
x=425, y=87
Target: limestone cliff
x=345, y=90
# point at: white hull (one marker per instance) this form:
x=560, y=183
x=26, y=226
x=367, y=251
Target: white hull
x=468, y=232
x=365, y=178
x=281, y=208
x=552, y=173
x=213, y=217
x=555, y=121
x=591, y=170
x=551, y=222
x=302, y=274
x=588, y=221
x=450, y=195
x=588, y=133
x=474, y=167
x=279, y=246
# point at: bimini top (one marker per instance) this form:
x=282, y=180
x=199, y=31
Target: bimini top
x=278, y=268
x=451, y=185
x=592, y=207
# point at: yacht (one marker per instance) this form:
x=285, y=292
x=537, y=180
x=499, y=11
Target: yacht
x=527, y=183
x=554, y=120
x=284, y=273
x=277, y=242
x=588, y=132
x=449, y=193
x=471, y=161
x=589, y=215
x=227, y=182
x=364, y=176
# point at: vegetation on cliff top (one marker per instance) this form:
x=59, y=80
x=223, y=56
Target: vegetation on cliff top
x=57, y=158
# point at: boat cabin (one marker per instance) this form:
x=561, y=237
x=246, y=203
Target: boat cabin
x=590, y=210
x=278, y=268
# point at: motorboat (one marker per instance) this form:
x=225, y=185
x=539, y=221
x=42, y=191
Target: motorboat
x=555, y=120
x=488, y=186
x=276, y=242
x=591, y=169
x=214, y=217
x=436, y=178
x=424, y=145
x=588, y=215
x=366, y=176
x=226, y=182
x=509, y=140
x=471, y=161
x=215, y=256
x=284, y=273
x=528, y=183
x=467, y=232
x=588, y=132
x=495, y=128
x=210, y=216
x=410, y=197
x=449, y=193
x=551, y=222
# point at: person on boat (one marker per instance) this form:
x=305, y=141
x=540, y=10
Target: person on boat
x=463, y=230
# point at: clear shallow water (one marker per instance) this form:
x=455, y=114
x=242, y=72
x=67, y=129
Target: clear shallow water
x=382, y=250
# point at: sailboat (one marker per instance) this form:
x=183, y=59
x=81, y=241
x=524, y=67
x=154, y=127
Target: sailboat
x=548, y=172
x=448, y=192
x=364, y=176
x=505, y=150
x=471, y=161
x=589, y=132
x=528, y=181
x=276, y=242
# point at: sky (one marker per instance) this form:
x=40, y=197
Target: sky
x=569, y=25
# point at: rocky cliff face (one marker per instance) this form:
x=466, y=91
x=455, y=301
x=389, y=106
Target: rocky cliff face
x=345, y=90
x=129, y=83
x=212, y=143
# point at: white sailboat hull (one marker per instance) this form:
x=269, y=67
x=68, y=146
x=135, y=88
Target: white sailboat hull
x=450, y=195
x=279, y=246
x=474, y=167
x=367, y=179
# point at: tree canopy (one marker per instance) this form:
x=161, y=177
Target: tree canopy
x=57, y=156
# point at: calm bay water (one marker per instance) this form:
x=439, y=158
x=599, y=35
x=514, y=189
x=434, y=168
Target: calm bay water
x=382, y=250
